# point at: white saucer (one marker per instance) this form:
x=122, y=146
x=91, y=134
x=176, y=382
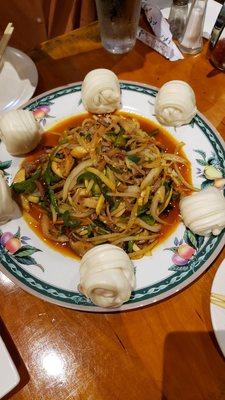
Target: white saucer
x=18, y=79
x=218, y=313
x=9, y=377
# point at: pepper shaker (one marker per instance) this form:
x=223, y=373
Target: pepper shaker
x=191, y=41
x=178, y=17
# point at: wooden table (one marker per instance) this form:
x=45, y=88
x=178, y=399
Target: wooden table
x=167, y=351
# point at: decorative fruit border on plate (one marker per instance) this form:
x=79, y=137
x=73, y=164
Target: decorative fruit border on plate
x=12, y=264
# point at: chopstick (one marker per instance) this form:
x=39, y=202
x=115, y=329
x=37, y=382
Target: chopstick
x=5, y=38
x=218, y=299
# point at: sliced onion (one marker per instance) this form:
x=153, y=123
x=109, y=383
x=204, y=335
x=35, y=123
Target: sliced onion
x=158, y=198
x=174, y=158
x=137, y=237
x=132, y=189
x=72, y=178
x=142, y=252
x=122, y=194
x=82, y=214
x=133, y=216
x=185, y=183
x=153, y=174
x=151, y=228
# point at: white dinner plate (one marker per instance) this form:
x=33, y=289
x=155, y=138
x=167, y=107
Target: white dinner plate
x=9, y=377
x=157, y=276
x=18, y=79
x=218, y=313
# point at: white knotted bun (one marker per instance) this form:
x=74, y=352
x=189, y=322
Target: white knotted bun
x=19, y=131
x=106, y=276
x=100, y=91
x=175, y=103
x=204, y=212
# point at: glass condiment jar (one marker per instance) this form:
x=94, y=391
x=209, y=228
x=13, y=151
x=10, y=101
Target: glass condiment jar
x=191, y=41
x=217, y=41
x=178, y=17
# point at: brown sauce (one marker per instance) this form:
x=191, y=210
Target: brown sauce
x=51, y=137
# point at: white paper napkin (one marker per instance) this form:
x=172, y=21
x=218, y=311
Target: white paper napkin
x=162, y=41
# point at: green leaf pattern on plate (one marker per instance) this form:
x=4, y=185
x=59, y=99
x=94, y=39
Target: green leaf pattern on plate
x=205, y=161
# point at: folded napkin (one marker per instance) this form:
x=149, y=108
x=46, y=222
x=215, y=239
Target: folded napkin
x=162, y=41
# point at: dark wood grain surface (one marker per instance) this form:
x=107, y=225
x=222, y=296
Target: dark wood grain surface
x=166, y=351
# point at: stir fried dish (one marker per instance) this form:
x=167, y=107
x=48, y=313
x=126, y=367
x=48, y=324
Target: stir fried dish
x=104, y=181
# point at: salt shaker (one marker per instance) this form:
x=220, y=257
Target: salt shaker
x=191, y=41
x=178, y=17
x=217, y=41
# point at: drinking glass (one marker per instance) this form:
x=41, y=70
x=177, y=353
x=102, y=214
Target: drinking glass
x=118, y=24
